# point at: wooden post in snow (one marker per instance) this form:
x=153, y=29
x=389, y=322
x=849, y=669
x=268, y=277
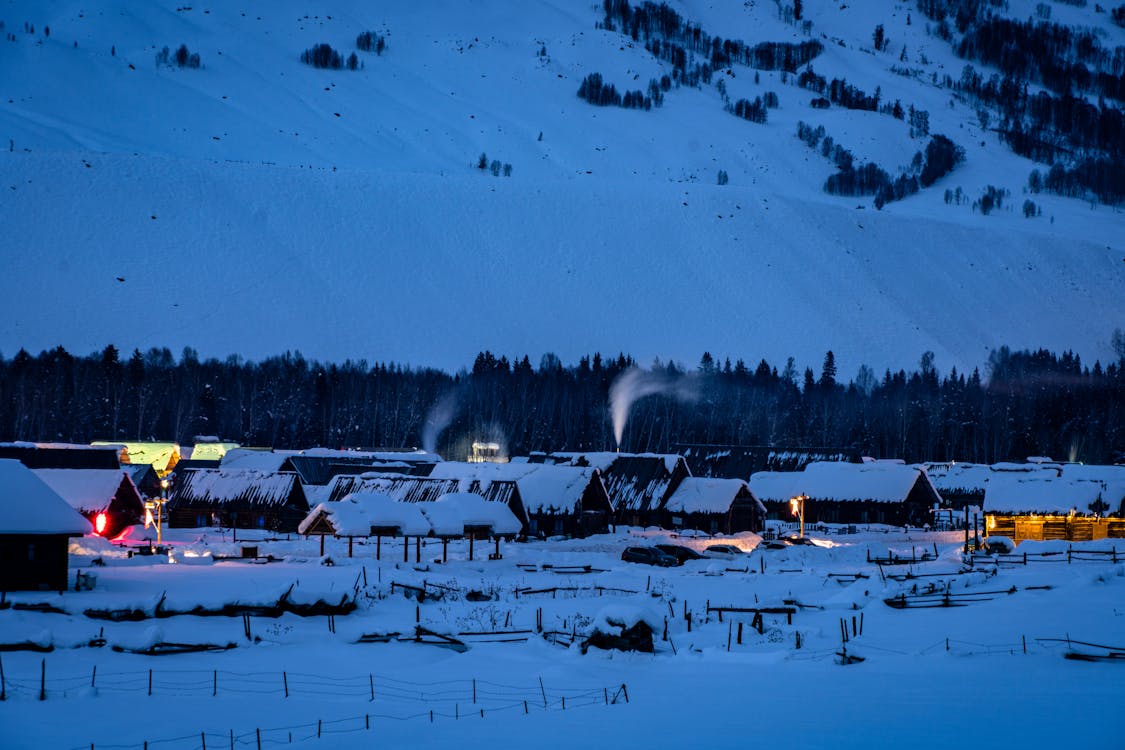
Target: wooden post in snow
x=406, y=549
x=472, y=537
x=378, y=546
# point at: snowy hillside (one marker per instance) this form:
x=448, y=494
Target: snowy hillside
x=257, y=204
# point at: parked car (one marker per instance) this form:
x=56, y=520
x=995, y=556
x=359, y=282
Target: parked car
x=681, y=553
x=724, y=552
x=649, y=556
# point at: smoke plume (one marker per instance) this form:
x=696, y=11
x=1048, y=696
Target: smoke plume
x=439, y=417
x=634, y=384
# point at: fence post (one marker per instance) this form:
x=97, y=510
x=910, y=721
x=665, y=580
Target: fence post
x=203, y=739
x=1024, y=639
x=318, y=729
x=474, y=690
x=94, y=677
x=730, y=628
x=43, y=682
x=258, y=734
x=232, y=739
x=739, y=632
x=214, y=682
x=371, y=682
x=285, y=682
x=3, y=683
x=543, y=690
x=150, y=682
x=366, y=721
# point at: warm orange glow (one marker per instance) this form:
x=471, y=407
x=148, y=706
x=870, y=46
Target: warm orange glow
x=100, y=521
x=148, y=517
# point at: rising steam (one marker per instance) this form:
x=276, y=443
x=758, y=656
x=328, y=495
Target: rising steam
x=634, y=384
x=439, y=417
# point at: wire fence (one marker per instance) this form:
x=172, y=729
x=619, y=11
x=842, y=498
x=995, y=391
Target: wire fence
x=261, y=737
x=392, y=699
x=217, y=683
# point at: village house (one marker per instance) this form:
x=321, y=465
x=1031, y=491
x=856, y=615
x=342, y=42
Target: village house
x=559, y=500
x=638, y=484
x=243, y=499
x=715, y=506
x=872, y=492
x=35, y=528
x=107, y=498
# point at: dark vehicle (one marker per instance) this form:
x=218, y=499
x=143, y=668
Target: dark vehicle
x=682, y=554
x=649, y=556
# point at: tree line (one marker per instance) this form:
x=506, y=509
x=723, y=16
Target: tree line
x=1023, y=403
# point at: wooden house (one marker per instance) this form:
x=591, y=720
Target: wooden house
x=638, y=484
x=1077, y=504
x=743, y=461
x=146, y=480
x=107, y=498
x=367, y=514
x=559, y=500
x=238, y=499
x=872, y=492
x=715, y=506
x=35, y=527
x=429, y=489
x=163, y=457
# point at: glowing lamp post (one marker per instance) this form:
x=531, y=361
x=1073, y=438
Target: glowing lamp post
x=157, y=504
x=797, y=508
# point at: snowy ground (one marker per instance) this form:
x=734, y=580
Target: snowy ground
x=931, y=677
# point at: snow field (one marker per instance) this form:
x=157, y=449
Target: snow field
x=909, y=686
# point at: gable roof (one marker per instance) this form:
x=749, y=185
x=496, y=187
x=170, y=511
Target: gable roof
x=543, y=487
x=237, y=490
x=708, y=495
x=1046, y=494
x=634, y=481
x=358, y=513
x=88, y=490
x=29, y=506
x=428, y=489
x=881, y=482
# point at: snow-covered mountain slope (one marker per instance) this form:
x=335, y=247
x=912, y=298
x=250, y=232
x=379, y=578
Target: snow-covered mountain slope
x=258, y=204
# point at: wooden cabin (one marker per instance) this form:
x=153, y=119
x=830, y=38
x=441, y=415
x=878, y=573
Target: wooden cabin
x=35, y=529
x=163, y=457
x=884, y=492
x=559, y=500
x=107, y=498
x=1083, y=504
x=638, y=484
x=238, y=499
x=715, y=506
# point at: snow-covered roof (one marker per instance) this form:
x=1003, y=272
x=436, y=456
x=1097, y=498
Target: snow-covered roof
x=254, y=459
x=407, y=456
x=86, y=490
x=356, y=514
x=836, y=481
x=543, y=487
x=211, y=450
x=159, y=455
x=234, y=487
x=29, y=506
x=704, y=495
x=474, y=510
x=1045, y=494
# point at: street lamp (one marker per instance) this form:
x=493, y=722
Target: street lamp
x=797, y=508
x=157, y=504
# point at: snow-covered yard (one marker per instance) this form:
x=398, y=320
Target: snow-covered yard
x=993, y=667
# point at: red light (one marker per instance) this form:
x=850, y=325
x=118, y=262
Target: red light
x=100, y=523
